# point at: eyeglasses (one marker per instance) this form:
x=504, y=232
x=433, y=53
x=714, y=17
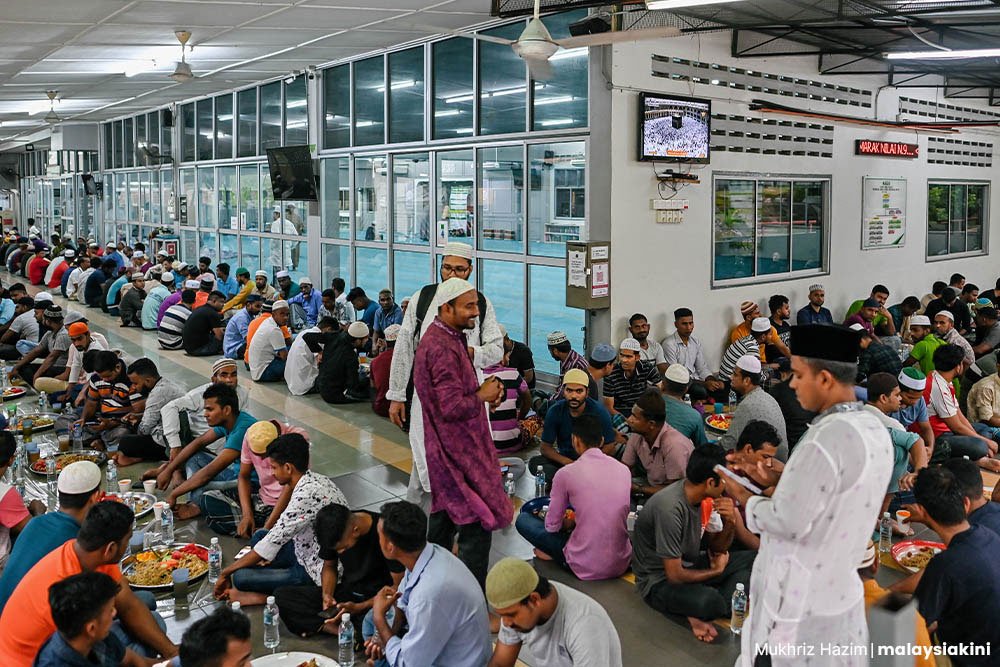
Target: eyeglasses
x=456, y=269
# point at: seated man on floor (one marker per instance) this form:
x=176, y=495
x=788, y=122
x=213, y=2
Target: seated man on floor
x=591, y=541
x=109, y=400
x=674, y=573
x=751, y=312
x=751, y=344
x=660, y=451
x=258, y=499
x=223, y=638
x=630, y=378
x=268, y=349
x=234, y=341
x=924, y=344
x=348, y=543
x=52, y=349
x=547, y=623
x=981, y=512
x=290, y=549
x=557, y=431
x=339, y=380
x=203, y=470
x=983, y=406
x=145, y=440
x=960, y=587
x=680, y=415
x=67, y=385
x=912, y=413
x=505, y=418
x=83, y=611
x=170, y=333
x=756, y=447
x=104, y=537
x=302, y=364
x=755, y=404
x=130, y=308
x=203, y=331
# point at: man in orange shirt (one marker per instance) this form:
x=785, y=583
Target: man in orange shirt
x=27, y=622
x=750, y=310
x=874, y=593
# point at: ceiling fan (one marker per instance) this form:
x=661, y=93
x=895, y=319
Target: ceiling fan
x=182, y=73
x=536, y=45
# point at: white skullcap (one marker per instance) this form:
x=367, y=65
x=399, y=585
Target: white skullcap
x=760, y=325
x=79, y=477
x=857, y=326
x=946, y=313
x=43, y=296
x=162, y=253
x=678, y=373
x=630, y=344
x=167, y=277
x=748, y=363
x=278, y=305
x=392, y=332
x=816, y=288
x=138, y=253
x=920, y=321
x=192, y=284
x=305, y=281
x=69, y=253
x=452, y=288
x=260, y=274
x=458, y=249
x=356, y=330
x=282, y=274
x=207, y=277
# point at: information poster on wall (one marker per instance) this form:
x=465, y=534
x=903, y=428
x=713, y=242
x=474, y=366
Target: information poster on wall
x=883, y=211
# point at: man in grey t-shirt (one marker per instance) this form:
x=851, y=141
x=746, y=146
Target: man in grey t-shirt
x=52, y=349
x=553, y=625
x=672, y=573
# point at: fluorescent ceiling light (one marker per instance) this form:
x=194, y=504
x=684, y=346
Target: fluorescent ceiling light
x=296, y=104
x=459, y=98
x=677, y=4
x=447, y=112
x=509, y=91
x=557, y=121
x=364, y=123
x=554, y=100
x=410, y=83
x=936, y=54
x=464, y=130
x=570, y=53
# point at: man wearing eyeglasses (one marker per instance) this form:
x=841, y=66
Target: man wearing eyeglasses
x=485, y=349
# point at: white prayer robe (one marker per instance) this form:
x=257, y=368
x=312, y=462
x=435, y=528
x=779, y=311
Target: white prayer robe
x=488, y=352
x=804, y=589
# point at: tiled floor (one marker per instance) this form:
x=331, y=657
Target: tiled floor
x=370, y=461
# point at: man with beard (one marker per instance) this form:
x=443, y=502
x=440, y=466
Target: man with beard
x=147, y=443
x=467, y=493
x=814, y=312
x=649, y=350
x=485, y=349
x=234, y=342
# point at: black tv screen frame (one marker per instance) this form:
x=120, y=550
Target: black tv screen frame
x=292, y=175
x=644, y=157
x=89, y=184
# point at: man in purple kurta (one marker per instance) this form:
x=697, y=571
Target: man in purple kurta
x=467, y=493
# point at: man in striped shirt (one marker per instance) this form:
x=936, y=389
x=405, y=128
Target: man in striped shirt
x=109, y=399
x=171, y=328
x=629, y=379
x=562, y=351
x=760, y=330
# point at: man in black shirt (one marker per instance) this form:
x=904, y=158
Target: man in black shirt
x=949, y=301
x=797, y=418
x=93, y=290
x=521, y=358
x=349, y=539
x=338, y=380
x=203, y=331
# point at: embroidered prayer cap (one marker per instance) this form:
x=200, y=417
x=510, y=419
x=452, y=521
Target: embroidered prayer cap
x=223, y=363
x=54, y=312
x=192, y=284
x=821, y=341
x=678, y=373
x=279, y=304
x=306, y=281
x=260, y=274
x=760, y=325
x=816, y=287
x=510, y=581
x=167, y=277
x=603, y=353
x=69, y=254
x=452, y=289
x=749, y=363
x=576, y=376
x=260, y=435
x=556, y=337
x=946, y=313
x=630, y=344
x=79, y=477
x=913, y=378
x=392, y=332
x=747, y=307
x=282, y=274
x=920, y=321
x=458, y=249
x=357, y=330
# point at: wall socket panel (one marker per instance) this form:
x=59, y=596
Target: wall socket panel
x=669, y=211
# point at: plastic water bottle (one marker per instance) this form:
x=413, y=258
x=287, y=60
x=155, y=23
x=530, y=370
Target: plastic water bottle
x=630, y=522
x=345, y=651
x=167, y=526
x=687, y=400
x=77, y=437
x=509, y=485
x=539, y=482
x=235, y=606
x=739, y=609
x=885, y=533
x=272, y=635
x=18, y=475
x=43, y=403
x=732, y=401
x=214, y=560
x=112, y=475
x=51, y=480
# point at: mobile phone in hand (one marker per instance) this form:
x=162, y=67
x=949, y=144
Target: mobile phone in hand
x=327, y=614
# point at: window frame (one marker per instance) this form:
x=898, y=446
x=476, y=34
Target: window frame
x=985, y=222
x=791, y=179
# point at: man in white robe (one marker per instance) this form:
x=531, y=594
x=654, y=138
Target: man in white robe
x=486, y=349
x=804, y=588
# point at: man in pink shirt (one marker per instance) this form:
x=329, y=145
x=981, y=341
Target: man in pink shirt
x=592, y=541
x=662, y=450
x=242, y=510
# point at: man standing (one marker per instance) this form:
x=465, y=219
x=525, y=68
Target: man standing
x=649, y=350
x=814, y=312
x=755, y=405
x=485, y=349
x=467, y=494
x=550, y=622
x=234, y=341
x=438, y=599
x=822, y=512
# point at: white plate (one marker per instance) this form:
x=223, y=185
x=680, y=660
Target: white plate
x=293, y=659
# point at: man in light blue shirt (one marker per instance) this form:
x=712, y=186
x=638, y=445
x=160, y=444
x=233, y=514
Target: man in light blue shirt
x=389, y=313
x=309, y=300
x=441, y=600
x=234, y=342
x=224, y=281
x=115, y=256
x=114, y=291
x=155, y=297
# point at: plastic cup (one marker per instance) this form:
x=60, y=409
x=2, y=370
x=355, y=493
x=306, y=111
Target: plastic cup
x=64, y=442
x=124, y=486
x=903, y=520
x=149, y=486
x=158, y=508
x=719, y=408
x=34, y=452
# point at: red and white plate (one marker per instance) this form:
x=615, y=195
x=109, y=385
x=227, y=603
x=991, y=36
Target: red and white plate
x=906, y=549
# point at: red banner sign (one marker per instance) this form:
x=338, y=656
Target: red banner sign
x=886, y=148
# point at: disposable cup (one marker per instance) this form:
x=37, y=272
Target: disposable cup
x=158, y=510
x=124, y=485
x=149, y=485
x=903, y=519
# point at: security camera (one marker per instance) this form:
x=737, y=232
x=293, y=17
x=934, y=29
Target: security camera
x=311, y=72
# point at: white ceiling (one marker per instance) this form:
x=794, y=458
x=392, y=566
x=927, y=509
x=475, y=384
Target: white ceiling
x=82, y=47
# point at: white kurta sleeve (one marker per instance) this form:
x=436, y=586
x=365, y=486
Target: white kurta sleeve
x=403, y=353
x=490, y=349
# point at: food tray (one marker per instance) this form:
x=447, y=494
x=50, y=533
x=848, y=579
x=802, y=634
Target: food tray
x=133, y=498
x=293, y=659
x=12, y=393
x=98, y=457
x=718, y=428
x=128, y=565
x=906, y=548
x=16, y=426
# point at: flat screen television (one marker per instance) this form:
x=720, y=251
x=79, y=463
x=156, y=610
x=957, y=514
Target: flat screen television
x=89, y=185
x=292, y=176
x=674, y=129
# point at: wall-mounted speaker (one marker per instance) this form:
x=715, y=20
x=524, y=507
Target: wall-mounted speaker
x=167, y=118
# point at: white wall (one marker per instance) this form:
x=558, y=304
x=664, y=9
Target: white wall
x=659, y=267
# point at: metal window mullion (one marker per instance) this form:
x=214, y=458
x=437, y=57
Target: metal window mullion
x=476, y=87
x=390, y=223
x=385, y=99
x=428, y=94
x=525, y=201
